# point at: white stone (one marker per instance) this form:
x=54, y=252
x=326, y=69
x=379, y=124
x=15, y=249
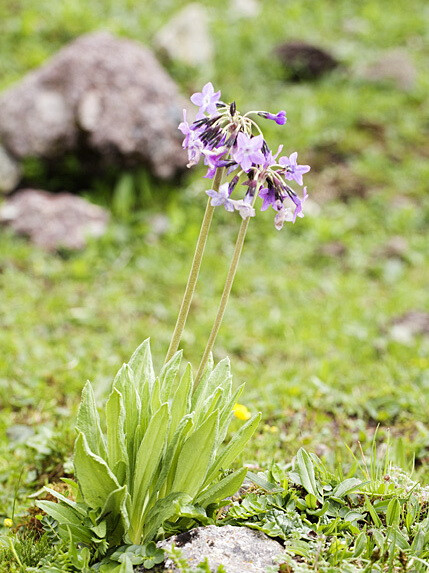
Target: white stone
x=238, y=549
x=186, y=37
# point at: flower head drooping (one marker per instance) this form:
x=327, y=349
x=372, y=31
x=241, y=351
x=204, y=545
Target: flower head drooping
x=226, y=139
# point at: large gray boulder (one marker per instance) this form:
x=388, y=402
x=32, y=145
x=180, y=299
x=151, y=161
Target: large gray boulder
x=9, y=171
x=107, y=94
x=53, y=220
x=238, y=549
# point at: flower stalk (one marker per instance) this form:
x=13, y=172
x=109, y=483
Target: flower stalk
x=224, y=298
x=194, y=272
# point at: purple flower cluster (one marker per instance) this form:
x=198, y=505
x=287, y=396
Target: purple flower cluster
x=224, y=138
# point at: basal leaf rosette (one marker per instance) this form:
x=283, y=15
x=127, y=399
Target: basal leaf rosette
x=158, y=454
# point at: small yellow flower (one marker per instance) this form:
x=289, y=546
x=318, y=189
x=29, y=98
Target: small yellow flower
x=7, y=522
x=271, y=429
x=241, y=412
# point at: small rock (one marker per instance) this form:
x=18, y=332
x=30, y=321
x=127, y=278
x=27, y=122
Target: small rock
x=53, y=220
x=395, y=248
x=340, y=182
x=334, y=249
x=238, y=549
x=394, y=66
x=186, y=37
x=9, y=172
x=100, y=94
x=409, y=325
x=304, y=61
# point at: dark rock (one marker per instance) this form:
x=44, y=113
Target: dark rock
x=107, y=94
x=303, y=61
x=53, y=221
x=238, y=549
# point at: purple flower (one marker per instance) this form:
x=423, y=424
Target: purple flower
x=245, y=208
x=293, y=170
x=268, y=197
x=195, y=149
x=206, y=99
x=221, y=197
x=280, y=117
x=299, y=203
x=283, y=214
x=248, y=151
x=185, y=128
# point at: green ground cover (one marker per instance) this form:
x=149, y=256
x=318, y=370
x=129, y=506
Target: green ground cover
x=307, y=331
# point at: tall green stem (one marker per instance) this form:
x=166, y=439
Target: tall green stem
x=195, y=269
x=225, y=296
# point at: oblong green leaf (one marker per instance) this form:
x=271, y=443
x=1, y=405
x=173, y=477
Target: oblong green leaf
x=195, y=457
x=226, y=487
x=95, y=478
x=234, y=448
x=116, y=445
x=305, y=470
x=88, y=422
x=148, y=457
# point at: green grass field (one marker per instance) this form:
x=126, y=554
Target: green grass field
x=309, y=333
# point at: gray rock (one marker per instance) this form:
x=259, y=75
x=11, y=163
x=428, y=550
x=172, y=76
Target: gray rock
x=186, y=37
x=9, y=172
x=238, y=549
x=100, y=92
x=407, y=326
x=53, y=220
x=394, y=66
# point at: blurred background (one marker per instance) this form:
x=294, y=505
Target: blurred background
x=328, y=324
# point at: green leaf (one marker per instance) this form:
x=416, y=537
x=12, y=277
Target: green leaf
x=142, y=365
x=206, y=387
x=195, y=457
x=163, y=510
x=361, y=544
x=226, y=487
x=169, y=461
x=62, y=514
x=180, y=403
x=305, y=470
x=168, y=376
x=234, y=448
x=347, y=486
x=116, y=446
x=370, y=508
x=398, y=539
x=126, y=385
x=393, y=513
x=148, y=457
x=95, y=479
x=88, y=422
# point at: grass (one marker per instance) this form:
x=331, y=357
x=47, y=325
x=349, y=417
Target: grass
x=308, y=332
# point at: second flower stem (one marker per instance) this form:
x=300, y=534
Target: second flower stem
x=195, y=269
x=225, y=296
